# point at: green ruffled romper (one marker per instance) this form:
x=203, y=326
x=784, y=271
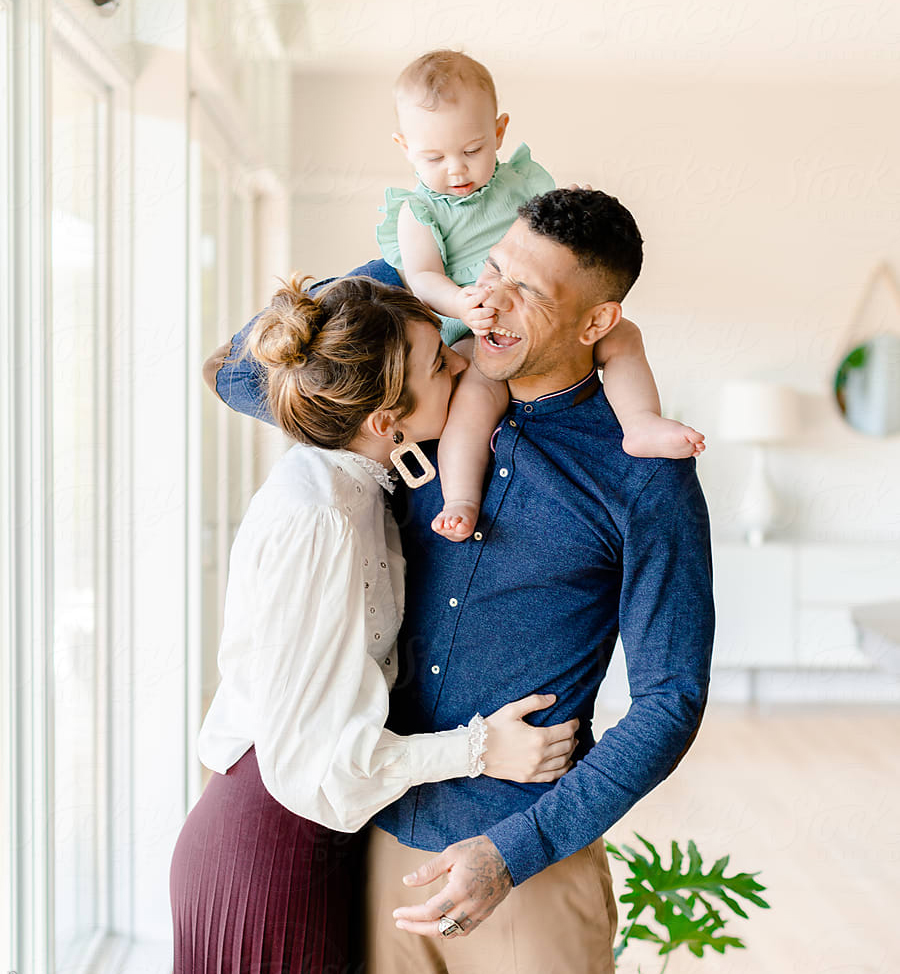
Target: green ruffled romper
x=465, y=227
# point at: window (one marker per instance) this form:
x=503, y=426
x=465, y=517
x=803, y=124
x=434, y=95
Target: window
x=221, y=231
x=7, y=640
x=79, y=338
x=120, y=266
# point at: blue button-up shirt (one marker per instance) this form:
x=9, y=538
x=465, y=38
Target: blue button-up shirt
x=576, y=542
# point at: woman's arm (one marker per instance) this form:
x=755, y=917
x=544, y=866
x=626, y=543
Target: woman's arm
x=239, y=380
x=320, y=701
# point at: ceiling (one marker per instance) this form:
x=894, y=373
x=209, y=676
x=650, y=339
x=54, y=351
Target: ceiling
x=761, y=37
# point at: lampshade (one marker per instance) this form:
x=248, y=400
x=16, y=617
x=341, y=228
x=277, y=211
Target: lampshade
x=758, y=412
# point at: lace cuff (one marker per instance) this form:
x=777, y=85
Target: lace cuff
x=477, y=745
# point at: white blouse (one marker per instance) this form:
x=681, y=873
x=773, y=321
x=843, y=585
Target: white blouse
x=308, y=651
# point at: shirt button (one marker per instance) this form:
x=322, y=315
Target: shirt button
x=358, y=489
x=365, y=562
x=529, y=408
x=513, y=423
x=478, y=536
x=384, y=564
x=454, y=603
x=377, y=635
x=372, y=611
x=387, y=661
x=367, y=584
x=435, y=669
x=504, y=472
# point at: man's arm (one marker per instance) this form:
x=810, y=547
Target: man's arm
x=666, y=621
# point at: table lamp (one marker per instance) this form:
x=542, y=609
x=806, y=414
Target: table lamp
x=758, y=413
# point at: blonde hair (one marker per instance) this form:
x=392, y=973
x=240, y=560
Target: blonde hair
x=438, y=75
x=335, y=357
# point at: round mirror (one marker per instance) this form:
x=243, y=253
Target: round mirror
x=867, y=386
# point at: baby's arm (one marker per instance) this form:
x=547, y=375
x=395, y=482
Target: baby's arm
x=464, y=450
x=423, y=268
x=632, y=394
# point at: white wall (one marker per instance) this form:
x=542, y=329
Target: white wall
x=765, y=206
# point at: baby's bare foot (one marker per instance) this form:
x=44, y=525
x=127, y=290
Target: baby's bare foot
x=457, y=520
x=655, y=436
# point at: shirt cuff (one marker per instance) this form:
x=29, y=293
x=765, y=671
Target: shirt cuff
x=438, y=757
x=519, y=843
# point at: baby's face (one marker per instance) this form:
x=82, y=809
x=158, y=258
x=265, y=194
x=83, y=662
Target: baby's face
x=453, y=148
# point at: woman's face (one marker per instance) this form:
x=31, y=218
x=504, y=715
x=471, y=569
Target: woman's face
x=432, y=371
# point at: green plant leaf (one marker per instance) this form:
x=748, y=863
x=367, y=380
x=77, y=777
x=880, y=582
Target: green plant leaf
x=640, y=932
x=685, y=901
x=696, y=933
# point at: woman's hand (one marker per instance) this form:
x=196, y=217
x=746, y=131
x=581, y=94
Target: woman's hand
x=517, y=751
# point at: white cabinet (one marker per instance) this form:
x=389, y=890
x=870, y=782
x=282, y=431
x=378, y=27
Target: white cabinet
x=788, y=604
x=754, y=605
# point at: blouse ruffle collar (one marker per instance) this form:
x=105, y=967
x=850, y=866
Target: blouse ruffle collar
x=459, y=200
x=377, y=471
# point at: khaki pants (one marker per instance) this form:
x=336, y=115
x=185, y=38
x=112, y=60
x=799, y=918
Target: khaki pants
x=561, y=921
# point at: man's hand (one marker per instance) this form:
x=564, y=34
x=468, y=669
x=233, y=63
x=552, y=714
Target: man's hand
x=478, y=882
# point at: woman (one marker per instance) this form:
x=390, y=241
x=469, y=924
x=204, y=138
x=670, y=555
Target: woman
x=263, y=873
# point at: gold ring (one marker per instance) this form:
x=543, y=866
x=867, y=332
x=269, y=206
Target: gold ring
x=448, y=926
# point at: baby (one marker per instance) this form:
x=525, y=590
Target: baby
x=438, y=237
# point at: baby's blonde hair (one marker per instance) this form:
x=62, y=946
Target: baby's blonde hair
x=439, y=75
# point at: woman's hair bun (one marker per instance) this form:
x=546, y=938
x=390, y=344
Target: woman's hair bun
x=286, y=331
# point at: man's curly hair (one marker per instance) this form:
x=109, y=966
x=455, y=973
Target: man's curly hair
x=598, y=230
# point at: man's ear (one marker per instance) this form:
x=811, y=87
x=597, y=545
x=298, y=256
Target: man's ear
x=602, y=319
x=502, y=122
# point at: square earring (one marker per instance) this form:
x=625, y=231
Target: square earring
x=409, y=478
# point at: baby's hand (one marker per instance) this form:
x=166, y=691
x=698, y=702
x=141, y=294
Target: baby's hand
x=477, y=319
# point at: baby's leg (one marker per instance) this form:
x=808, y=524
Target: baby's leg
x=632, y=394
x=464, y=450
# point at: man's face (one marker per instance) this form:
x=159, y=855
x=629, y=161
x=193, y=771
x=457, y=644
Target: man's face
x=540, y=297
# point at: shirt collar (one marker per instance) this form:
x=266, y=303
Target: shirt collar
x=563, y=399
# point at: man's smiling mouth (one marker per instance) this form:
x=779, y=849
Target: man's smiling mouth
x=501, y=338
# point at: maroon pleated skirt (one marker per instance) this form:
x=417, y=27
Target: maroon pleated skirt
x=256, y=889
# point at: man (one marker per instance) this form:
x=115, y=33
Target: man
x=576, y=542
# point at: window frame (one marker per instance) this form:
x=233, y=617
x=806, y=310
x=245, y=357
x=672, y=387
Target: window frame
x=38, y=32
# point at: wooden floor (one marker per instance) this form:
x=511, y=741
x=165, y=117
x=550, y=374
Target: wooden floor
x=810, y=798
